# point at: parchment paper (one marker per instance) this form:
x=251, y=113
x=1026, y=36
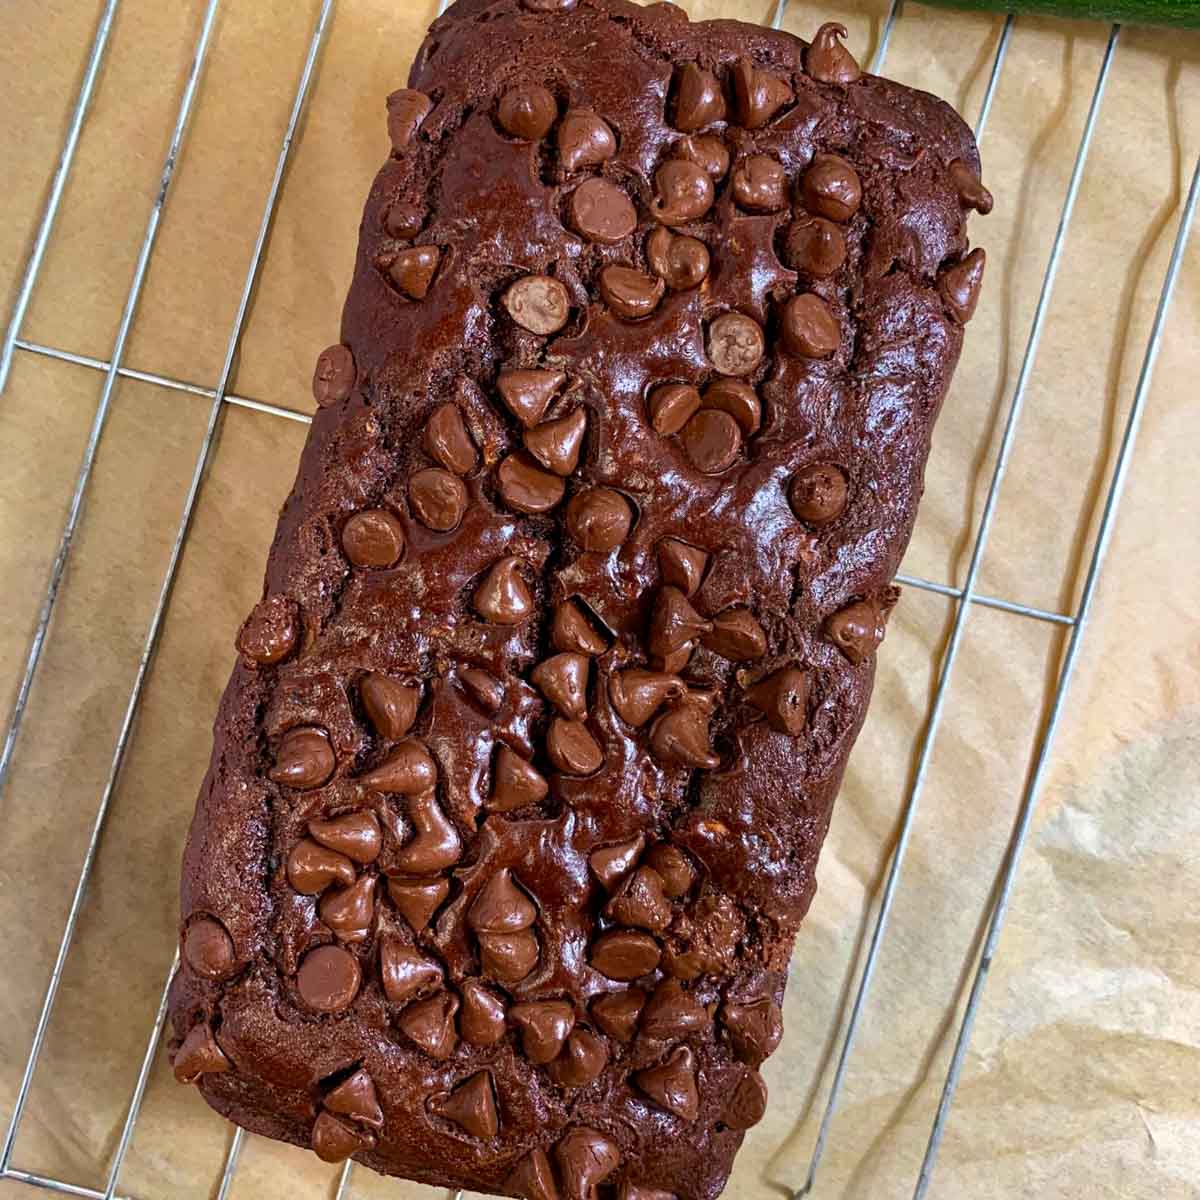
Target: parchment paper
x=1084, y=1074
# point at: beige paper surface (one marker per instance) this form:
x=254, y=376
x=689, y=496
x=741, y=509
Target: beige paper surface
x=1084, y=1074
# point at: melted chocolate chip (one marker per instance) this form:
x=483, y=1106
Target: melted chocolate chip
x=436, y=845
x=582, y=1059
x=672, y=1013
x=544, y=1025
x=672, y=405
x=391, y=705
x=698, y=99
x=416, y=900
x=572, y=749
x=631, y=294
x=617, y=1013
x=448, y=442
x=556, y=444
x=831, y=188
x=712, y=440
x=526, y=487
x=516, y=783
x=602, y=212
x=827, y=60
x=334, y=1140
x=311, y=868
x=482, y=1022
x=430, y=1023
x=682, y=566
x=818, y=493
x=625, y=955
x=504, y=598
x=708, y=152
x=485, y=690
x=681, y=262
x=373, y=539
x=674, y=622
x=528, y=393
x=328, y=979
x=501, y=906
x=407, y=771
x=334, y=376
x=349, y=911
x=760, y=184
x=438, y=498
x=747, y=1102
x=739, y=400
x=758, y=95
x=680, y=736
x=304, y=760
x=533, y=1177
x=571, y=630
x=412, y=270
x=808, y=328
x=199, y=1055
x=611, y=864
x=405, y=972
x=563, y=680
x=814, y=246
x=539, y=304
x=971, y=192
x=406, y=109
x=783, y=698
x=404, y=220
x=673, y=866
x=672, y=1084
x=637, y=694
x=586, y=1159
x=737, y=636
x=641, y=903
x=508, y=957
x=584, y=140
x=856, y=630
x=355, y=1098
x=735, y=344
x=684, y=190
x=599, y=519
x=755, y=1029
x=959, y=285
x=472, y=1106
x=527, y=112
x=270, y=632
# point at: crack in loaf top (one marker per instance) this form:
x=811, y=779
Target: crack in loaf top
x=570, y=620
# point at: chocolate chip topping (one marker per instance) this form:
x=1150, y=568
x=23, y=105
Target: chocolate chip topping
x=856, y=630
x=543, y=1025
x=311, y=868
x=831, y=188
x=406, y=110
x=533, y=1177
x=698, y=99
x=641, y=903
x=525, y=486
x=391, y=706
x=349, y=911
x=683, y=192
x=760, y=184
x=602, y=212
x=563, y=680
x=735, y=344
x=472, y=1106
x=680, y=736
x=747, y=1102
x=328, y=979
x=739, y=400
x=582, y=1059
x=672, y=865
x=508, y=957
x=959, y=285
x=556, y=444
x=208, y=949
x=199, y=1055
x=758, y=95
x=430, y=1023
x=586, y=1158
x=270, y=632
x=599, y=519
x=539, y=304
x=482, y=1021
x=405, y=971
x=412, y=270
x=783, y=698
x=617, y=1013
x=637, y=694
x=827, y=60
x=356, y=835
x=674, y=622
x=416, y=900
x=629, y=293
x=448, y=442
x=527, y=112
x=438, y=498
x=625, y=955
x=501, y=906
x=736, y=635
x=304, y=760
x=681, y=262
x=611, y=864
x=671, y=407
x=672, y=1013
x=712, y=440
x=404, y=220
x=436, y=845
x=572, y=749
x=571, y=630
x=818, y=493
x=672, y=1085
x=527, y=394
x=335, y=1140
x=484, y=689
x=504, y=598
x=708, y=152
x=584, y=140
x=334, y=376
x=516, y=783
x=682, y=566
x=373, y=539
x=356, y=1098
x=971, y=192
x=814, y=246
x=808, y=327
x=754, y=1028
x=407, y=771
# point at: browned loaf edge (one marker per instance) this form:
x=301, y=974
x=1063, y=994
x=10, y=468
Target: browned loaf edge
x=519, y=783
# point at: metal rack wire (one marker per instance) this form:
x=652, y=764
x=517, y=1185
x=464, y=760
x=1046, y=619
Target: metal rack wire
x=965, y=599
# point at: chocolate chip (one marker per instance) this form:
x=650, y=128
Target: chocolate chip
x=311, y=868
x=504, y=598
x=755, y=1029
x=334, y=1141
x=971, y=192
x=269, y=633
x=539, y=304
x=373, y=538
x=563, y=680
x=305, y=758
x=582, y=1059
x=482, y=1022
x=572, y=749
x=808, y=328
x=674, y=622
x=405, y=971
x=739, y=400
x=760, y=184
x=355, y=1098
x=523, y=484
x=208, y=949
x=682, y=262
x=827, y=60
x=831, y=188
x=501, y=906
x=735, y=344
x=814, y=246
x=407, y=771
x=611, y=864
x=747, y=1103
x=571, y=630
x=631, y=294
x=508, y=957
x=758, y=95
x=436, y=845
x=516, y=783
x=556, y=444
x=625, y=955
x=391, y=705
x=712, y=440
x=328, y=979
x=680, y=736
x=737, y=636
x=602, y=212
x=674, y=662
x=637, y=694
x=682, y=566
x=672, y=406
x=350, y=911
x=199, y=1055
x=412, y=270
x=672, y=1013
x=641, y=903
x=684, y=192
x=856, y=630
x=430, y=1023
x=472, y=1106
x=599, y=519
x=527, y=112
x=484, y=689
x=698, y=99
x=584, y=140
x=356, y=835
x=438, y=498
x=404, y=220
x=334, y=376
x=708, y=152
x=533, y=1178
x=672, y=864
x=528, y=393
x=586, y=1159
x=544, y=1025
x=959, y=285
x=672, y=1084
x=783, y=698
x=617, y=1013
x=406, y=109
x=417, y=900
x=448, y=442
x=818, y=493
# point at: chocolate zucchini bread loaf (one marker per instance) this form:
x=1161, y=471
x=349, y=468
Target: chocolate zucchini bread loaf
x=571, y=618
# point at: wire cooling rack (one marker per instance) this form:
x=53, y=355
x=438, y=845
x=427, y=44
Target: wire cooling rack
x=965, y=598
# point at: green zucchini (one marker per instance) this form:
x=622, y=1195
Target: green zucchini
x=1185, y=13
